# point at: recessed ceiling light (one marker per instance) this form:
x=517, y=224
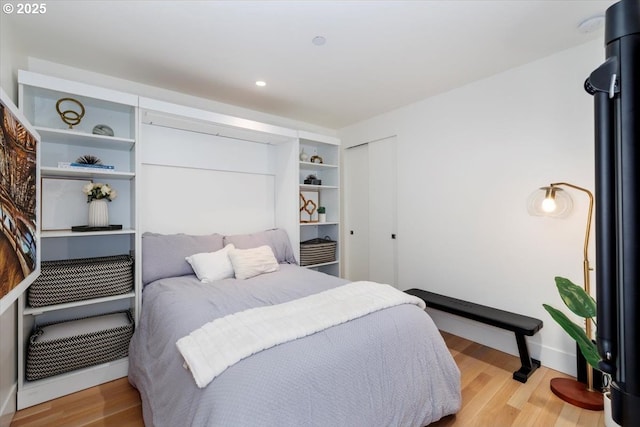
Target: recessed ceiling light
x=261, y=83
x=318, y=40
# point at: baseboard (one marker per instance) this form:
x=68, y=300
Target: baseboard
x=504, y=341
x=8, y=408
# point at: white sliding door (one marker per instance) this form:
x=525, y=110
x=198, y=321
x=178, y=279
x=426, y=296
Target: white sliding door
x=370, y=211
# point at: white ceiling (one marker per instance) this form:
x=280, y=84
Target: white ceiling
x=379, y=55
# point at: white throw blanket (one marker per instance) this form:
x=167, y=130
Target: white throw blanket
x=212, y=348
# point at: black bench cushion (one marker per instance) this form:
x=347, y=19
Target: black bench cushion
x=492, y=316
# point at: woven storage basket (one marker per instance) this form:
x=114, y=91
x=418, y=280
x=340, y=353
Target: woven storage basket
x=317, y=251
x=46, y=358
x=80, y=279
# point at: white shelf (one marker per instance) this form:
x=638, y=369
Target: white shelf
x=43, y=85
x=316, y=166
x=38, y=96
x=83, y=139
x=33, y=392
x=69, y=233
x=48, y=171
x=328, y=148
x=318, y=187
x=321, y=264
x=39, y=310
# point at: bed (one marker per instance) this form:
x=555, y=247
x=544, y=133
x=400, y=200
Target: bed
x=387, y=368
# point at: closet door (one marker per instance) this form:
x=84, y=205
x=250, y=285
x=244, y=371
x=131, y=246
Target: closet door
x=370, y=201
x=356, y=175
x=382, y=212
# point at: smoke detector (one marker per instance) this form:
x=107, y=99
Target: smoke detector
x=319, y=40
x=591, y=24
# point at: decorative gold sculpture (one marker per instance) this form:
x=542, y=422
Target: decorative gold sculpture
x=70, y=117
x=308, y=206
x=316, y=159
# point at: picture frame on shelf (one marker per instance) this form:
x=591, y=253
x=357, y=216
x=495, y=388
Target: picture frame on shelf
x=63, y=203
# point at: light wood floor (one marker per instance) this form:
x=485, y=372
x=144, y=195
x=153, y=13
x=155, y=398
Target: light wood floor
x=490, y=398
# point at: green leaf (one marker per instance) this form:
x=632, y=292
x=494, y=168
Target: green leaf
x=575, y=298
x=587, y=347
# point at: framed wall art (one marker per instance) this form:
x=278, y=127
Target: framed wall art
x=19, y=203
x=309, y=204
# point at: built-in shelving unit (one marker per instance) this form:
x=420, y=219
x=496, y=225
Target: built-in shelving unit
x=328, y=171
x=140, y=141
x=38, y=95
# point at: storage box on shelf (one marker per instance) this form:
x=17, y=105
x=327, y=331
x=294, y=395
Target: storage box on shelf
x=317, y=251
x=81, y=279
x=63, y=205
x=319, y=166
x=88, y=375
x=67, y=346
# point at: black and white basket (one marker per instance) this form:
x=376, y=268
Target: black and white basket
x=317, y=251
x=79, y=279
x=66, y=346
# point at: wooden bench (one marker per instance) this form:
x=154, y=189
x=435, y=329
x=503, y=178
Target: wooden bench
x=517, y=323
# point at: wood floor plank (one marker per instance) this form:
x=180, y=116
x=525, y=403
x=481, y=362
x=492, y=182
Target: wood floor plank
x=499, y=410
x=490, y=397
x=523, y=394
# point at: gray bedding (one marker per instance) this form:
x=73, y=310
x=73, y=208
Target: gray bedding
x=389, y=368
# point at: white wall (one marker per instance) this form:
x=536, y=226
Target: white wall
x=10, y=61
x=467, y=160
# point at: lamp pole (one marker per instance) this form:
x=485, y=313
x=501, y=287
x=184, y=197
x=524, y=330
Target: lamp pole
x=585, y=266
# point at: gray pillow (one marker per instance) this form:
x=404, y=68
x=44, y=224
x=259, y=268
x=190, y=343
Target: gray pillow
x=163, y=255
x=277, y=238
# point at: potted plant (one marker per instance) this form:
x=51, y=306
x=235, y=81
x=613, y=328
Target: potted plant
x=322, y=214
x=583, y=305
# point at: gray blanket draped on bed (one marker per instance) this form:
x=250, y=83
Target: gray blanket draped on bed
x=389, y=368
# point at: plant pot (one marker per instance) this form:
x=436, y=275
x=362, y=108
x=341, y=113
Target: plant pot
x=608, y=418
x=581, y=368
x=98, y=213
x=322, y=217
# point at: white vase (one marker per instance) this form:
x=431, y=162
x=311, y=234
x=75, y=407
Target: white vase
x=322, y=217
x=98, y=213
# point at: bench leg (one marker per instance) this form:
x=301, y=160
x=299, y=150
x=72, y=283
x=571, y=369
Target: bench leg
x=529, y=365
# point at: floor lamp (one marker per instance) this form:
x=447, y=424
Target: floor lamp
x=555, y=202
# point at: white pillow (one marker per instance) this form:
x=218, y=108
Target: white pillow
x=210, y=266
x=248, y=263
